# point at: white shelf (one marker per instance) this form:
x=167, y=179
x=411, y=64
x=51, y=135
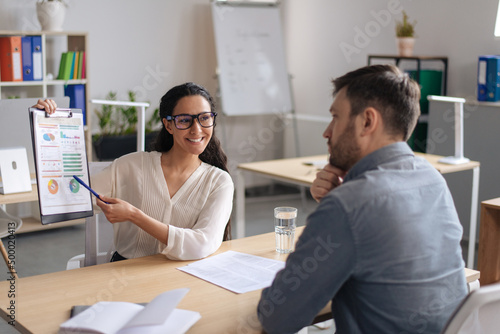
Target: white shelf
x=75, y=41
x=69, y=41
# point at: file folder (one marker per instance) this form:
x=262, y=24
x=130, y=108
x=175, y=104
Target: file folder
x=493, y=79
x=26, y=46
x=76, y=94
x=65, y=67
x=36, y=44
x=481, y=78
x=10, y=59
x=75, y=65
x=62, y=65
x=80, y=65
x=83, y=65
x=71, y=59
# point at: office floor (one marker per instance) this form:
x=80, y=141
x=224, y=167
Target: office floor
x=48, y=251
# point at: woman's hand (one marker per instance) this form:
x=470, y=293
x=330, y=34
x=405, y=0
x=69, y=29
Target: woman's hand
x=327, y=179
x=117, y=210
x=48, y=105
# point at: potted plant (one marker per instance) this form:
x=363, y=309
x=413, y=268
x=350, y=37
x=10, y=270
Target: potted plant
x=50, y=14
x=405, y=36
x=118, y=125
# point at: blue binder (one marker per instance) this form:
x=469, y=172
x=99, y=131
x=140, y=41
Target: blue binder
x=482, y=65
x=36, y=48
x=76, y=94
x=27, y=58
x=493, y=79
x=488, y=78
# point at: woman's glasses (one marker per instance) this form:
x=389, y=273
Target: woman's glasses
x=185, y=121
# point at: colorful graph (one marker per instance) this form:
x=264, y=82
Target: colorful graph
x=64, y=136
x=53, y=186
x=74, y=186
x=48, y=137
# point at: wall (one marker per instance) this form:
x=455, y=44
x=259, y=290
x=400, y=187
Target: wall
x=151, y=45
x=481, y=137
x=327, y=38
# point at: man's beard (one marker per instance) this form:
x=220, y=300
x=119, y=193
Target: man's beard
x=346, y=152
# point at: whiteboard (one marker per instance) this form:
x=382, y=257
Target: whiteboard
x=253, y=78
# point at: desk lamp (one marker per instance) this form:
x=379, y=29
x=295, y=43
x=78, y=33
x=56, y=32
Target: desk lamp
x=458, y=158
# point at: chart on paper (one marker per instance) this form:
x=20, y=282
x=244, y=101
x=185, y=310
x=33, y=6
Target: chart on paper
x=60, y=154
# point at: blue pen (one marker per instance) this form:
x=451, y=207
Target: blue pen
x=86, y=186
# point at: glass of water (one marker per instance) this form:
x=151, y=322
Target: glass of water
x=284, y=228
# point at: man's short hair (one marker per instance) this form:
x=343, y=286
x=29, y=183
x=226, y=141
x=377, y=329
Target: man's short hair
x=384, y=87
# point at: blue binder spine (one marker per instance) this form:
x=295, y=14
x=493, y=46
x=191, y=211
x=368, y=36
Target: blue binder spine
x=76, y=95
x=493, y=79
x=27, y=58
x=482, y=65
x=36, y=46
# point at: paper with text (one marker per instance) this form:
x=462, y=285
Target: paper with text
x=59, y=144
x=235, y=271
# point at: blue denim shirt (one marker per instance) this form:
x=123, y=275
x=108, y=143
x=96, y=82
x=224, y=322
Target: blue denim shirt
x=384, y=247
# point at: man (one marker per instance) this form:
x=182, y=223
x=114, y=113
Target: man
x=384, y=243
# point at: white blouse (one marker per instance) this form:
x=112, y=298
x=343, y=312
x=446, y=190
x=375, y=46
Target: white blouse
x=197, y=214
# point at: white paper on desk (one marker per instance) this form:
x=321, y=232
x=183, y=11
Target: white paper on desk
x=235, y=271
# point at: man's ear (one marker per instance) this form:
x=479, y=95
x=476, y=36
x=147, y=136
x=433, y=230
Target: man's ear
x=167, y=125
x=370, y=121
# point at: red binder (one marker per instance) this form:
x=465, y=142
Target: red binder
x=11, y=66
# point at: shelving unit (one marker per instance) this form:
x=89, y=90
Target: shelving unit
x=419, y=137
x=418, y=61
x=53, y=44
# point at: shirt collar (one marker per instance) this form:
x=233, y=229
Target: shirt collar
x=378, y=157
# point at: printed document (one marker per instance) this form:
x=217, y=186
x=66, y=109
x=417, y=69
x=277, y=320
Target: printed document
x=59, y=147
x=235, y=271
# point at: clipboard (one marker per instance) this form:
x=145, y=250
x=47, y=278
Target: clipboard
x=59, y=151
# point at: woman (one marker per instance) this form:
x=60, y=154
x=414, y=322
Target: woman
x=176, y=200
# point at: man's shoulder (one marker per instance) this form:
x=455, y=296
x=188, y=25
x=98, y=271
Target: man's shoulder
x=386, y=180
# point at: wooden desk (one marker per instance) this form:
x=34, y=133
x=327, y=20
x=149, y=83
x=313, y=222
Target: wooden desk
x=295, y=172
x=43, y=302
x=489, y=241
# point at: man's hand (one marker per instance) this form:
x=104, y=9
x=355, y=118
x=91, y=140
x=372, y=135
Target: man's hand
x=327, y=179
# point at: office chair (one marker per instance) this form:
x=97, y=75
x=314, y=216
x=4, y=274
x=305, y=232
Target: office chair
x=5, y=230
x=478, y=313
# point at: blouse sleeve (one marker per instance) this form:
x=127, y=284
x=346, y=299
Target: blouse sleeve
x=206, y=235
x=102, y=183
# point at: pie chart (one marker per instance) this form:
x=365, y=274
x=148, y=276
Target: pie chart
x=48, y=137
x=74, y=186
x=53, y=187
